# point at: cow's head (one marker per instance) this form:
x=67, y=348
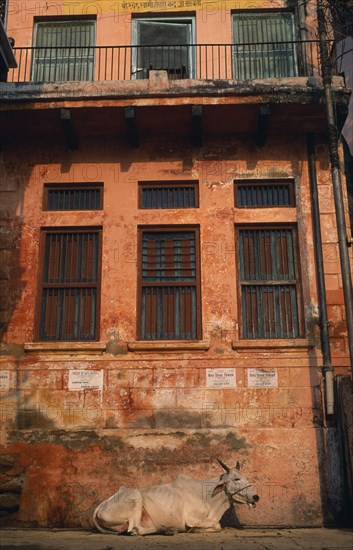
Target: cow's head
x=236, y=486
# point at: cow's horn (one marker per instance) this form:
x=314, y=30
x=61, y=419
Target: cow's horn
x=237, y=467
x=224, y=466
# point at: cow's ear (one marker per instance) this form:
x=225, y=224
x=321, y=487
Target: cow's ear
x=218, y=489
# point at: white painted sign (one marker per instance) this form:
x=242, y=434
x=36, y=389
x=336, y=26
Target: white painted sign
x=220, y=378
x=259, y=378
x=85, y=380
x=4, y=380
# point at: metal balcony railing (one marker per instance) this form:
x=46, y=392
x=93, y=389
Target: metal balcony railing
x=195, y=61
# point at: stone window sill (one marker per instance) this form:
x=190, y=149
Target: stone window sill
x=161, y=345
x=299, y=344
x=66, y=347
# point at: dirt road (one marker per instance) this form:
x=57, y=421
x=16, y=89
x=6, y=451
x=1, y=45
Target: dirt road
x=228, y=539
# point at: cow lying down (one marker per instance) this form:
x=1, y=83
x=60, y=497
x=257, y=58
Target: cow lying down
x=183, y=504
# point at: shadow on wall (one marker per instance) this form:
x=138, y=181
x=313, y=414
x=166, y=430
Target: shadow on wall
x=12, y=285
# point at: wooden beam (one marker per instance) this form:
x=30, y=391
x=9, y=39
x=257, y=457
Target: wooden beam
x=262, y=125
x=132, y=130
x=196, y=132
x=69, y=130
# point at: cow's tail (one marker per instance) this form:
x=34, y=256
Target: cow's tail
x=96, y=521
x=104, y=528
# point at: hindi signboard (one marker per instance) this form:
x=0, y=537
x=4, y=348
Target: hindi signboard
x=4, y=380
x=220, y=378
x=85, y=380
x=262, y=378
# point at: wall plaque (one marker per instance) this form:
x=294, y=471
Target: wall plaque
x=260, y=378
x=220, y=378
x=85, y=380
x=4, y=380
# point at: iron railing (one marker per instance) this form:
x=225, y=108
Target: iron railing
x=195, y=61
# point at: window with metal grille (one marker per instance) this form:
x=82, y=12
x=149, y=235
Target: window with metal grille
x=170, y=284
x=268, y=274
x=64, y=50
x=70, y=281
x=264, y=194
x=73, y=196
x=168, y=194
x=163, y=43
x=263, y=45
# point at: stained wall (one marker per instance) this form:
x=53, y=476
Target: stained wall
x=156, y=414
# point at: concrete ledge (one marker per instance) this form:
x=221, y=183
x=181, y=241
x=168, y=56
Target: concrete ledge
x=159, y=85
x=64, y=347
x=298, y=344
x=161, y=345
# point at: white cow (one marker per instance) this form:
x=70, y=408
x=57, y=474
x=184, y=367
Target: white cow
x=182, y=505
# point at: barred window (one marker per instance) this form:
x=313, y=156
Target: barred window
x=64, y=50
x=168, y=194
x=170, y=284
x=73, y=196
x=70, y=282
x=264, y=45
x=264, y=194
x=268, y=274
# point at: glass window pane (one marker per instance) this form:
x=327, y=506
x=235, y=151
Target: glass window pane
x=64, y=51
x=263, y=45
x=163, y=45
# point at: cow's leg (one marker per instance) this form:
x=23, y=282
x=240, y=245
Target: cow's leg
x=119, y=513
x=143, y=524
x=202, y=523
x=139, y=530
x=135, y=518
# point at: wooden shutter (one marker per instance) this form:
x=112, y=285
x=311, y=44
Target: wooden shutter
x=169, y=301
x=269, y=283
x=70, y=285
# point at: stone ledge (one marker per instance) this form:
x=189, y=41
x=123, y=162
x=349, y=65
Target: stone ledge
x=161, y=345
x=298, y=344
x=291, y=90
x=64, y=347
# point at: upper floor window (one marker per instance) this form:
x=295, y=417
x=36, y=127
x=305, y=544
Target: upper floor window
x=264, y=45
x=163, y=43
x=168, y=194
x=264, y=194
x=64, y=50
x=269, y=282
x=69, y=285
x=169, y=284
x=84, y=196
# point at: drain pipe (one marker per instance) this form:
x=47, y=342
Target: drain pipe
x=321, y=290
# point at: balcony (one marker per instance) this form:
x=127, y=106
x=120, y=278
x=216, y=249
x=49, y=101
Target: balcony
x=186, y=92
x=190, y=61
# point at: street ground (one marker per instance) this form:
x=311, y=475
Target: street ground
x=228, y=539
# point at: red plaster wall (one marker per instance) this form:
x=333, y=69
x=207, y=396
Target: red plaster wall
x=155, y=413
x=155, y=417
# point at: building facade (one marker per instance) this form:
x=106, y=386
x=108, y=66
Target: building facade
x=159, y=279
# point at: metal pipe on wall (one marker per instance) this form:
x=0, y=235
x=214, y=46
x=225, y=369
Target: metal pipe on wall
x=321, y=289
